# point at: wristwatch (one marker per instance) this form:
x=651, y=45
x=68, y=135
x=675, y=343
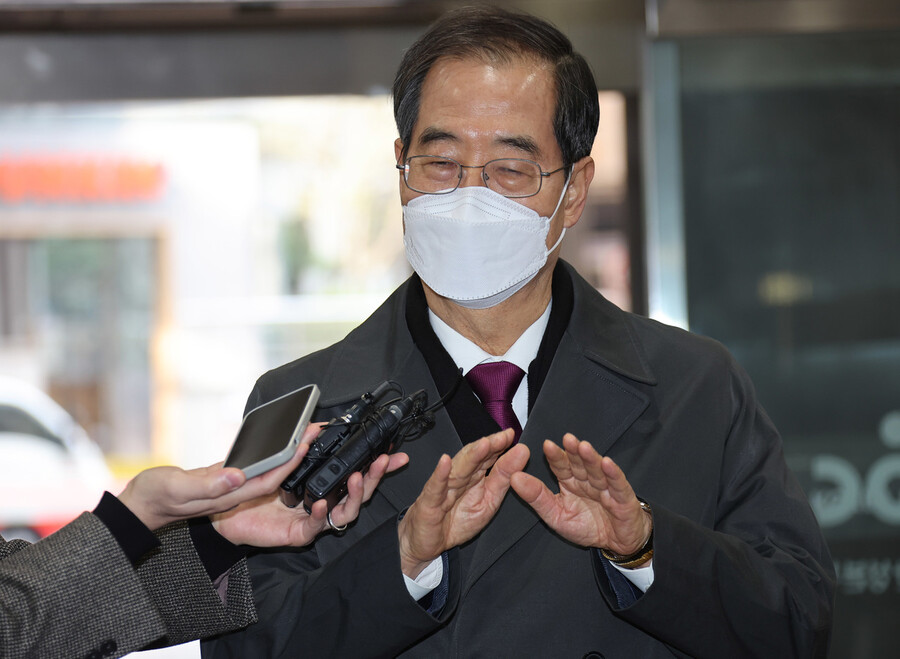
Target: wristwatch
x=643, y=554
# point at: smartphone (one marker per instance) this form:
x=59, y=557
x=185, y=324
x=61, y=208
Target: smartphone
x=269, y=434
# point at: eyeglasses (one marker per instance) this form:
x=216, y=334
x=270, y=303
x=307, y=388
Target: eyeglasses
x=511, y=177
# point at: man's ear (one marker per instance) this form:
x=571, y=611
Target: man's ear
x=576, y=197
x=398, y=150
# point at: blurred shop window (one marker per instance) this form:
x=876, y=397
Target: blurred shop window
x=85, y=307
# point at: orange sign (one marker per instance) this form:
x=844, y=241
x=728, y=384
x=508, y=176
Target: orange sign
x=79, y=179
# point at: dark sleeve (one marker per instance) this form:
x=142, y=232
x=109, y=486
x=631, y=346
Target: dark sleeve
x=357, y=604
x=760, y=581
x=217, y=554
x=133, y=536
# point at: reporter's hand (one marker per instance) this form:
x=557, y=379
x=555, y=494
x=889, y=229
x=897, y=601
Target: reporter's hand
x=459, y=499
x=595, y=506
x=267, y=522
x=161, y=495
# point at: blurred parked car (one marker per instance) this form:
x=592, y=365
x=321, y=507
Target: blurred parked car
x=50, y=470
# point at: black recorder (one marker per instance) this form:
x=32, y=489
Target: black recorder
x=352, y=441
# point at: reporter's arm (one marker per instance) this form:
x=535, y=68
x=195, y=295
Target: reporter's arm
x=106, y=584
x=138, y=585
x=73, y=593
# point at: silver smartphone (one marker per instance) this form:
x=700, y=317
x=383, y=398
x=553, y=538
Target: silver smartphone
x=269, y=434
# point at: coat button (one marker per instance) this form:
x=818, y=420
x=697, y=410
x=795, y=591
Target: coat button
x=593, y=654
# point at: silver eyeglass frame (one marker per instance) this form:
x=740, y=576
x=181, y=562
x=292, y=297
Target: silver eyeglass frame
x=404, y=167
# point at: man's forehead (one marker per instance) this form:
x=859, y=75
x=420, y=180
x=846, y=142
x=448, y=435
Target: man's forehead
x=448, y=87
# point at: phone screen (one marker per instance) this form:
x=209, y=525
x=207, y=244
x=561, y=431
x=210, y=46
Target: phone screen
x=270, y=433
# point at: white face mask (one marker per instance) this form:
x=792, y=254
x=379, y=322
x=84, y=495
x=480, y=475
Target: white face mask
x=475, y=246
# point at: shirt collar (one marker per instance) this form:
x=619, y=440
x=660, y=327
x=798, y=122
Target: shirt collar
x=467, y=354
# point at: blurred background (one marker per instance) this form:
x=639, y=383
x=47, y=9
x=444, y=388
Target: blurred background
x=193, y=192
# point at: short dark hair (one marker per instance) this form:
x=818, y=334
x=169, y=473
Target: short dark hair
x=499, y=35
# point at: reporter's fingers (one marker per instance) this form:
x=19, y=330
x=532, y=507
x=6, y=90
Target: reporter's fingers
x=311, y=432
x=216, y=488
x=267, y=483
x=270, y=480
x=230, y=479
x=359, y=489
x=182, y=490
x=397, y=460
x=281, y=472
x=185, y=489
x=311, y=524
x=373, y=476
x=348, y=509
x=318, y=512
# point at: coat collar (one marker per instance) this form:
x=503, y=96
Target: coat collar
x=604, y=333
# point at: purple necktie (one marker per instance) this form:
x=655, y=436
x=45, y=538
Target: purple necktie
x=495, y=383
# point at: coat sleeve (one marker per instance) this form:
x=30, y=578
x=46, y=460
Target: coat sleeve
x=758, y=581
x=75, y=593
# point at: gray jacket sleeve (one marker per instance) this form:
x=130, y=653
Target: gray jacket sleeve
x=75, y=593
